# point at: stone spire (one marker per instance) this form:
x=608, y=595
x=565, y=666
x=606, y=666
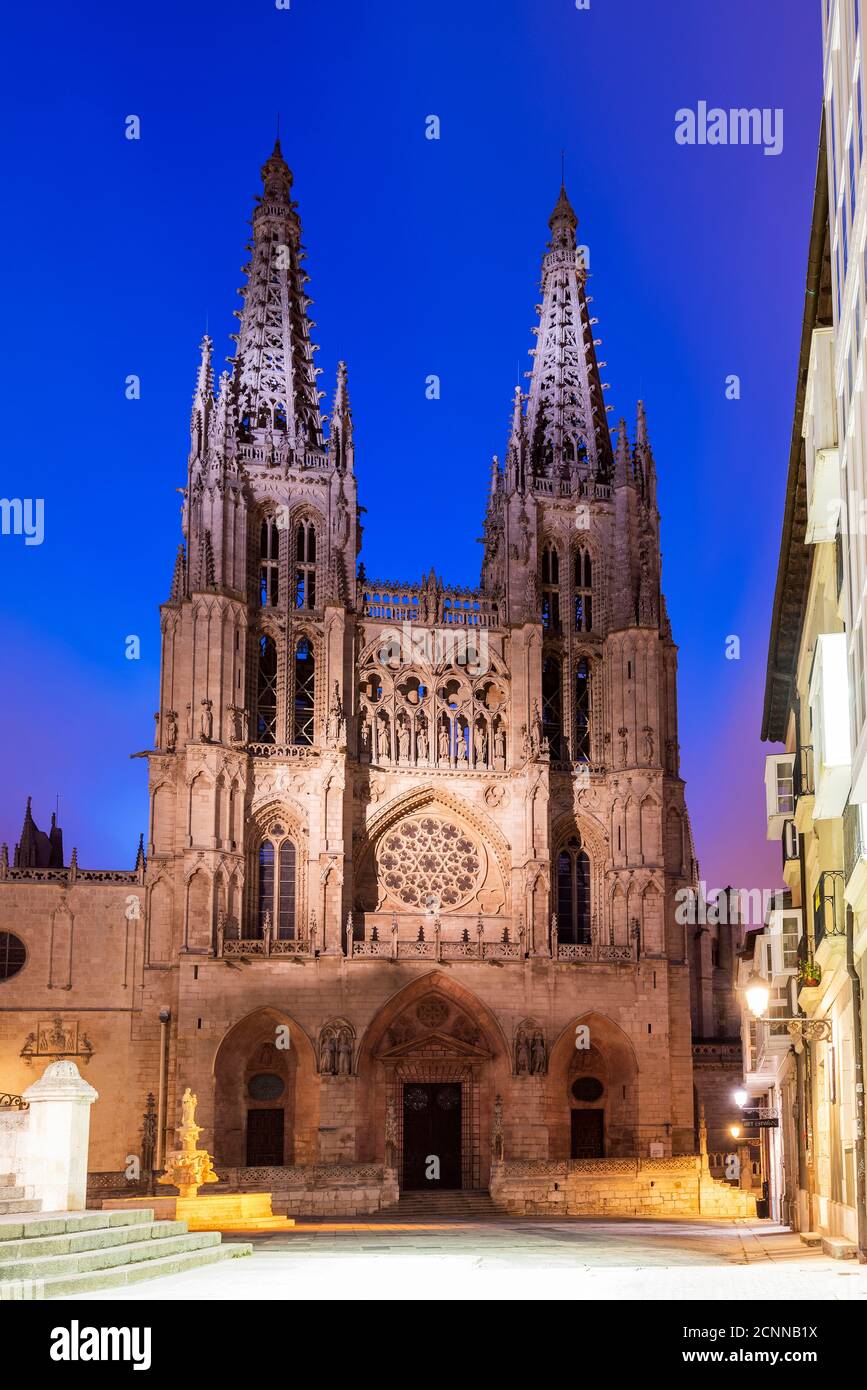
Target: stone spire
x=203, y=400
x=274, y=376
x=565, y=424
x=340, y=446
x=179, y=577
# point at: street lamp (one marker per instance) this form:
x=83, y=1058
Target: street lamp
x=741, y=1098
x=735, y=1131
x=758, y=994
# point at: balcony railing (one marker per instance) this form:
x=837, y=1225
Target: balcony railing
x=829, y=908
x=802, y=773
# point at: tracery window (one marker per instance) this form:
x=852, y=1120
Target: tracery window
x=573, y=894
x=550, y=589
x=583, y=591
x=552, y=706
x=582, y=711
x=305, y=689
x=266, y=691
x=305, y=565
x=276, y=889
x=269, y=563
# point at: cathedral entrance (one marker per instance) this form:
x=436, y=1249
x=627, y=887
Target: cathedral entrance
x=587, y=1134
x=431, y=1135
x=264, y=1138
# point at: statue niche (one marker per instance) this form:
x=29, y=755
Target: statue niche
x=336, y=1047
x=530, y=1051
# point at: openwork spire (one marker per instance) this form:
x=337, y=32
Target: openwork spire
x=274, y=378
x=566, y=426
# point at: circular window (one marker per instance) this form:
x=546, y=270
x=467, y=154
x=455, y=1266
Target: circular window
x=265, y=1086
x=587, y=1088
x=426, y=858
x=13, y=954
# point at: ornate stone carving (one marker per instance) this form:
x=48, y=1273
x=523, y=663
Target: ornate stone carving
x=531, y=1054
x=424, y=856
x=336, y=1043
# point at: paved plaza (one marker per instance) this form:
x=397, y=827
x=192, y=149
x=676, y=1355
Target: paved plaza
x=520, y=1258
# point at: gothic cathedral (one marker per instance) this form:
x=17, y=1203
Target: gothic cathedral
x=408, y=888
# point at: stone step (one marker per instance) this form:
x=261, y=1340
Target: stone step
x=19, y=1204
x=839, y=1248
x=76, y=1285
x=56, y=1223
x=9, y=1192
x=811, y=1238
x=86, y=1261
x=52, y=1254
x=97, y=1238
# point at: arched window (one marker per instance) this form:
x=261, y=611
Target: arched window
x=573, y=895
x=266, y=693
x=277, y=886
x=583, y=592
x=269, y=563
x=305, y=565
x=305, y=686
x=552, y=706
x=550, y=589
x=582, y=711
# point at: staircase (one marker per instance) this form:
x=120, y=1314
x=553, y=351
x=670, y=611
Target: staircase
x=14, y=1199
x=49, y=1254
x=464, y=1204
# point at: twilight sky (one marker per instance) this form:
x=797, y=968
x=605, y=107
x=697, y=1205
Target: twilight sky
x=424, y=257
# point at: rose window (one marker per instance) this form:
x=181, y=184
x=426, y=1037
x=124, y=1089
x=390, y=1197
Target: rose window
x=429, y=863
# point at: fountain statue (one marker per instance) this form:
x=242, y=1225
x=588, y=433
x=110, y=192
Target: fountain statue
x=188, y=1167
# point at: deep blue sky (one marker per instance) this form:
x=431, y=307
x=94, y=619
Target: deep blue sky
x=424, y=257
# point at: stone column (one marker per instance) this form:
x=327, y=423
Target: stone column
x=60, y=1104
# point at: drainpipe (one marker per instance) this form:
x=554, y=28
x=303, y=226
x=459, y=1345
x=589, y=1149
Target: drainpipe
x=802, y=1068
x=165, y=1019
x=857, y=1041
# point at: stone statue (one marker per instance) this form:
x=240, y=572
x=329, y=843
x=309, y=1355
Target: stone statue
x=624, y=745
x=421, y=743
x=326, y=1055
x=539, y=1060
x=443, y=743
x=335, y=717
x=384, y=741
x=188, y=1109
x=522, y=1055
x=500, y=743
x=171, y=730
x=461, y=742
x=344, y=1055
x=207, y=720
x=365, y=733
x=156, y=729
x=536, y=733
x=403, y=743
x=648, y=743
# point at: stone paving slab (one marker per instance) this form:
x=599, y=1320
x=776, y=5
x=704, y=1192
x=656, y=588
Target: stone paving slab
x=561, y=1260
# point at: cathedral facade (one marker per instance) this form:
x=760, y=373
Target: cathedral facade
x=408, y=887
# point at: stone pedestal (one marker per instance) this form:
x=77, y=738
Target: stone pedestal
x=60, y=1104
x=230, y=1211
